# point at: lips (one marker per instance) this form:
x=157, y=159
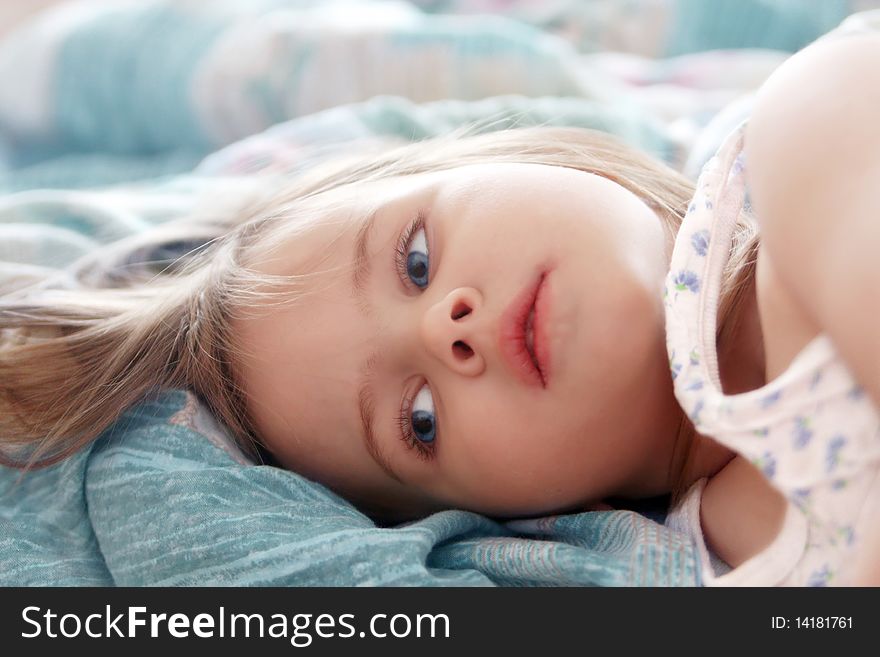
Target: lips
x=521, y=336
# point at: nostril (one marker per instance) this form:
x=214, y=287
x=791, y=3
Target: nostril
x=459, y=348
x=460, y=310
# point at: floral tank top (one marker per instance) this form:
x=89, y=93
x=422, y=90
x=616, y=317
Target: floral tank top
x=812, y=431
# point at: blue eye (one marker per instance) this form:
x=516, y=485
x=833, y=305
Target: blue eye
x=424, y=425
x=417, y=259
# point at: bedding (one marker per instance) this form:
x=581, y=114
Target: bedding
x=163, y=498
x=115, y=117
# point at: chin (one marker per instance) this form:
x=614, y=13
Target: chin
x=388, y=513
x=538, y=508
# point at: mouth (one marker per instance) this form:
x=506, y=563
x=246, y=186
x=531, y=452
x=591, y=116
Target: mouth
x=522, y=337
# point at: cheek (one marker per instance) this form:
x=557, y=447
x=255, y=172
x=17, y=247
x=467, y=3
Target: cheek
x=624, y=332
x=483, y=237
x=516, y=462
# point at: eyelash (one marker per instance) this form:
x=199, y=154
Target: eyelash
x=404, y=421
x=403, y=244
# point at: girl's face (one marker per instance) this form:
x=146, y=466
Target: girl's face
x=405, y=377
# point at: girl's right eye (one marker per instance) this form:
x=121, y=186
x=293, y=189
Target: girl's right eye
x=412, y=254
x=418, y=423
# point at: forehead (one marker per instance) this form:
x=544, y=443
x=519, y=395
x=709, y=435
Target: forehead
x=299, y=358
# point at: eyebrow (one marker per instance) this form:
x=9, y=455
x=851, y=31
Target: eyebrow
x=366, y=394
x=361, y=272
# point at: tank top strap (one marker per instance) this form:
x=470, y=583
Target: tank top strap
x=693, y=283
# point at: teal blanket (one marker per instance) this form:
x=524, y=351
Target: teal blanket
x=120, y=101
x=163, y=498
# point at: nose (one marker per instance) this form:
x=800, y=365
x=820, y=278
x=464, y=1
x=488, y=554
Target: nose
x=456, y=331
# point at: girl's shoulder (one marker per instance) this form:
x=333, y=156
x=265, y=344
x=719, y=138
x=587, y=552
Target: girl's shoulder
x=812, y=149
x=814, y=103
x=814, y=129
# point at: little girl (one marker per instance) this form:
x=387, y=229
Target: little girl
x=523, y=323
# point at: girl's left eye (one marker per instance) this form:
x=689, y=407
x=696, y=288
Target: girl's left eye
x=412, y=254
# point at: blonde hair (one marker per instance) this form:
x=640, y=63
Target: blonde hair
x=120, y=331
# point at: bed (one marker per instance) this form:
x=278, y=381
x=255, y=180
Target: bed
x=117, y=116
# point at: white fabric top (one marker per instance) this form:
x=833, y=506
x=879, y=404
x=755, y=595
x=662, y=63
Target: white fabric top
x=812, y=431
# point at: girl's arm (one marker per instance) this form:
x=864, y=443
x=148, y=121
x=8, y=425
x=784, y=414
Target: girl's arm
x=813, y=163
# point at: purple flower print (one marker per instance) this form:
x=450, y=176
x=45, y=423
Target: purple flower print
x=694, y=356
x=686, y=280
x=802, y=432
x=700, y=241
x=801, y=497
x=766, y=464
x=771, y=399
x=832, y=457
x=820, y=577
x=675, y=367
x=738, y=164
